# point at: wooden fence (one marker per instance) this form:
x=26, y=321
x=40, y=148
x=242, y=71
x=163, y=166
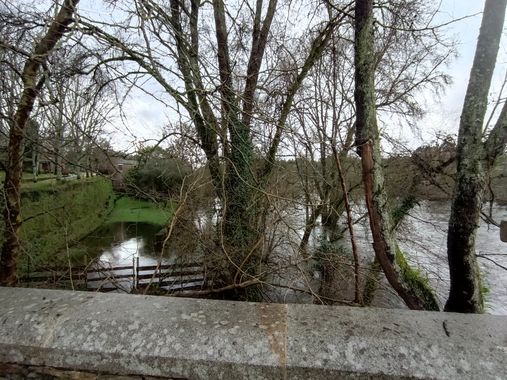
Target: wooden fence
x=126, y=278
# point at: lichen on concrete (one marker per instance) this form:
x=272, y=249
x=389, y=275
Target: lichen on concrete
x=126, y=335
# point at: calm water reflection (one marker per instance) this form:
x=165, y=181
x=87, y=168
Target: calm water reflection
x=117, y=244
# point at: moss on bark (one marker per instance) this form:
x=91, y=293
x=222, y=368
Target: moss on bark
x=417, y=282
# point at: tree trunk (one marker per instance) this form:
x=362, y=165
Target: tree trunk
x=311, y=222
x=368, y=145
x=58, y=144
x=465, y=293
x=237, y=186
x=334, y=210
x=239, y=216
x=240, y=209
x=355, y=251
x=14, y=169
x=35, y=164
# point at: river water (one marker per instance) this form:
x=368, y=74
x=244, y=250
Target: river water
x=425, y=241
x=422, y=237
x=119, y=244
x=126, y=254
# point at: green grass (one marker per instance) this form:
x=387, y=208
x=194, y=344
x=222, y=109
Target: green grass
x=28, y=177
x=45, y=181
x=139, y=211
x=52, y=184
x=59, y=214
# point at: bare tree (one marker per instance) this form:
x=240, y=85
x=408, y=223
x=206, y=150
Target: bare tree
x=32, y=80
x=408, y=56
x=78, y=108
x=387, y=252
x=222, y=87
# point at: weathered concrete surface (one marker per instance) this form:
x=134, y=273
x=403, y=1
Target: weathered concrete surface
x=126, y=335
x=22, y=372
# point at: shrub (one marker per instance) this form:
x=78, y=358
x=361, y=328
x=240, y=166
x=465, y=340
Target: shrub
x=157, y=178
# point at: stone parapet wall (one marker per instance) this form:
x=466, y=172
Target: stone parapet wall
x=62, y=334
x=21, y=372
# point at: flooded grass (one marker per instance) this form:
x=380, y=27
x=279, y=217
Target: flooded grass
x=140, y=211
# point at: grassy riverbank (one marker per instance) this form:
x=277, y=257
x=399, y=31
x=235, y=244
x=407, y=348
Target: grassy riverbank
x=140, y=211
x=133, y=215
x=56, y=214
x=28, y=177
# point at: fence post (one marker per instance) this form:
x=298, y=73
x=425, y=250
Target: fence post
x=204, y=275
x=85, y=274
x=159, y=264
x=28, y=269
x=133, y=274
x=137, y=272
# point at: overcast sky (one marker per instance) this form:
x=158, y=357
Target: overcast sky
x=443, y=113
x=146, y=117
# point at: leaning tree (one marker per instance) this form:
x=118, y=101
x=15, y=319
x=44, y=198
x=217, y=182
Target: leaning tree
x=32, y=77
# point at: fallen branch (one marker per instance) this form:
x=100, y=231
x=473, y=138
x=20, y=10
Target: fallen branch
x=342, y=302
x=204, y=292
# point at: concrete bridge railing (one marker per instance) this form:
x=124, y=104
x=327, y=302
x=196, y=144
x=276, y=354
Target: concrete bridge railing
x=62, y=334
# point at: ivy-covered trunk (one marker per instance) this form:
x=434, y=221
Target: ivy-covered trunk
x=472, y=153
x=238, y=224
x=240, y=209
x=224, y=130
